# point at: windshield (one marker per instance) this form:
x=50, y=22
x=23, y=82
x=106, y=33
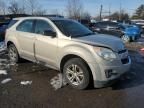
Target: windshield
x=122, y=27
x=72, y=28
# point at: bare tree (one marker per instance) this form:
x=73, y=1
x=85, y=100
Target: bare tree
x=74, y=9
x=14, y=8
x=2, y=7
x=55, y=12
x=35, y=8
x=40, y=12
x=86, y=15
x=115, y=16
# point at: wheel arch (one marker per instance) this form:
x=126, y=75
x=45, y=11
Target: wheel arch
x=9, y=43
x=70, y=56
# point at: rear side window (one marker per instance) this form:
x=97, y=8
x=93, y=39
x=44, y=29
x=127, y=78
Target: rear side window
x=26, y=26
x=12, y=22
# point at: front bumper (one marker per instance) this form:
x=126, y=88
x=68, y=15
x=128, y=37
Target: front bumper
x=118, y=70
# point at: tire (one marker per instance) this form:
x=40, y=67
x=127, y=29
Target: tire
x=126, y=38
x=76, y=73
x=13, y=54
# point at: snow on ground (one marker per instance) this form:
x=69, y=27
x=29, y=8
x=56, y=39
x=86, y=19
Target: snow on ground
x=3, y=60
x=6, y=81
x=4, y=66
x=2, y=47
x=3, y=72
x=26, y=82
x=58, y=82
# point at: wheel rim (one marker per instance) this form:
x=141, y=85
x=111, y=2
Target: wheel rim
x=125, y=38
x=12, y=54
x=75, y=74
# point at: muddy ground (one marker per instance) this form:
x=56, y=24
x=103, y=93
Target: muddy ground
x=126, y=93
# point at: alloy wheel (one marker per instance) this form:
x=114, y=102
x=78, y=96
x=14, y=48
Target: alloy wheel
x=12, y=54
x=75, y=74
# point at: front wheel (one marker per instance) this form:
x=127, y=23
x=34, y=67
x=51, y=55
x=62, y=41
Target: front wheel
x=76, y=73
x=125, y=38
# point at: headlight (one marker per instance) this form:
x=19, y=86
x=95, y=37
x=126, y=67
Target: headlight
x=105, y=53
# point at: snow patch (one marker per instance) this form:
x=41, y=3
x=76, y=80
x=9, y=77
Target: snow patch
x=58, y=82
x=3, y=72
x=6, y=81
x=26, y=82
x=2, y=47
x=3, y=60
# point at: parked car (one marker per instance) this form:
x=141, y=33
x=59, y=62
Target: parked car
x=140, y=23
x=3, y=27
x=130, y=32
x=82, y=56
x=139, y=26
x=85, y=22
x=126, y=32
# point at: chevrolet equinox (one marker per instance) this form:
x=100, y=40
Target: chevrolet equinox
x=63, y=44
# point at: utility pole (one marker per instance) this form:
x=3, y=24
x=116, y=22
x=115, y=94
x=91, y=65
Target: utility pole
x=109, y=11
x=120, y=11
x=101, y=9
x=23, y=6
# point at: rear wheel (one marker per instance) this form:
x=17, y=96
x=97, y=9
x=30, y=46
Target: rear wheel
x=76, y=73
x=13, y=54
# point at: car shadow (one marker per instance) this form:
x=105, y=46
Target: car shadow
x=134, y=77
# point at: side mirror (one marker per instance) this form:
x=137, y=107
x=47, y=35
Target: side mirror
x=50, y=33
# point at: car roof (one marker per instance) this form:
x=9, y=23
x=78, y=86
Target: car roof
x=51, y=18
x=107, y=22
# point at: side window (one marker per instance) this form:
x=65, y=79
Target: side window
x=102, y=24
x=41, y=26
x=98, y=24
x=26, y=26
x=113, y=25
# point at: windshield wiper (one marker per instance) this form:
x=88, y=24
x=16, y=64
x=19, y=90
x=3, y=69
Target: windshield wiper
x=88, y=34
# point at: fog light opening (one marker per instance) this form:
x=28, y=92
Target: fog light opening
x=109, y=73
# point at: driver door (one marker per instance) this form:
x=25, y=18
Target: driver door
x=45, y=46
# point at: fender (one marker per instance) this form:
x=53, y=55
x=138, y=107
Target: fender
x=12, y=39
x=84, y=53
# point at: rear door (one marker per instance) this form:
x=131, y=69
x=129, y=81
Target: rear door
x=26, y=38
x=45, y=46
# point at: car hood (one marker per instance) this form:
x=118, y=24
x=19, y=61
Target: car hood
x=132, y=29
x=102, y=40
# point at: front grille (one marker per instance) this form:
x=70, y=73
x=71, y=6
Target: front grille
x=125, y=61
